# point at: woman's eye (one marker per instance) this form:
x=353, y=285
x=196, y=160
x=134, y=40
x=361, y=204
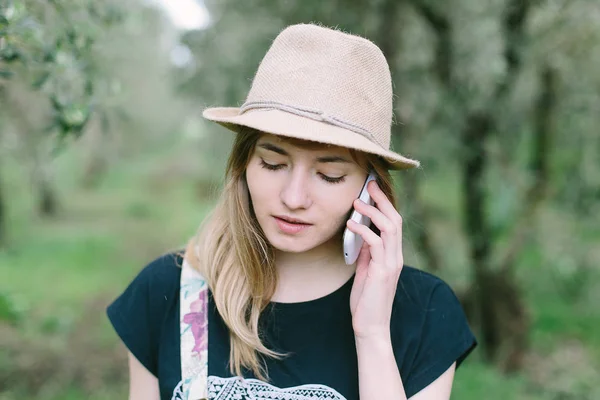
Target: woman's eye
x=275, y=167
x=271, y=167
x=330, y=179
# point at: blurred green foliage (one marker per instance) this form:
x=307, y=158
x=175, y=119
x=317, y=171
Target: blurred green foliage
x=50, y=44
x=8, y=310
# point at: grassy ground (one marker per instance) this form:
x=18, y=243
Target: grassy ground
x=60, y=274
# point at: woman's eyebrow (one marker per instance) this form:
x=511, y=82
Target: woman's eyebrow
x=330, y=159
x=273, y=148
x=323, y=159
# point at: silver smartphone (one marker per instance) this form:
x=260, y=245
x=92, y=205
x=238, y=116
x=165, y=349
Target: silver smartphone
x=352, y=241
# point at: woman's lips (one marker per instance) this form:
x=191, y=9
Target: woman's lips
x=290, y=227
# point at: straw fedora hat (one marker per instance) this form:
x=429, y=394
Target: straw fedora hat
x=322, y=85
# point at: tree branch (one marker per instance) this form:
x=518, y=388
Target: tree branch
x=479, y=125
x=444, y=50
x=539, y=167
x=513, y=26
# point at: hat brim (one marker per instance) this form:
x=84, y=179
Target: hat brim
x=282, y=123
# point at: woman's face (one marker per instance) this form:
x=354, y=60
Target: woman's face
x=313, y=185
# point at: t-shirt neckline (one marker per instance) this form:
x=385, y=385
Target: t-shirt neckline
x=298, y=305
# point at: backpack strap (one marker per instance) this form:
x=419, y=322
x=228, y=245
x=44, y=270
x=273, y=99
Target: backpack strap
x=194, y=333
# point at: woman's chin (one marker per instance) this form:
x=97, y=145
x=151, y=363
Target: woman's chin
x=296, y=244
x=293, y=245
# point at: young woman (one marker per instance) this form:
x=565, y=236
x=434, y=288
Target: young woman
x=287, y=317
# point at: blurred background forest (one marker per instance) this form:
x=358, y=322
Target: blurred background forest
x=106, y=163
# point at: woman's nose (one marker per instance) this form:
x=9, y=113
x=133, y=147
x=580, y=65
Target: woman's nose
x=295, y=193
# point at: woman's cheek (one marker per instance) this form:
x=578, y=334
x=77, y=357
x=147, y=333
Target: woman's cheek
x=338, y=210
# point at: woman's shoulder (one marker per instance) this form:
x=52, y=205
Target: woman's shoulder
x=429, y=328
x=421, y=294
x=158, y=278
x=139, y=312
x=164, y=269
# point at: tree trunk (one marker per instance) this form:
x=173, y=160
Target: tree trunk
x=388, y=41
x=3, y=105
x=3, y=241
x=477, y=228
x=494, y=300
x=48, y=205
x=18, y=103
x=99, y=149
x=41, y=175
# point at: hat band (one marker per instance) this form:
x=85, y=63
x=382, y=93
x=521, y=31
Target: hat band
x=314, y=114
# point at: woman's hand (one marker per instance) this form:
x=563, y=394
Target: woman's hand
x=378, y=267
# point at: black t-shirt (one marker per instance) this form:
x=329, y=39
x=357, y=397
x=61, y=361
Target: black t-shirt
x=429, y=332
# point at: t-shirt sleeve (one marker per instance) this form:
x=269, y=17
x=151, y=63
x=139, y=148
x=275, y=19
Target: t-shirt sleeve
x=137, y=314
x=445, y=338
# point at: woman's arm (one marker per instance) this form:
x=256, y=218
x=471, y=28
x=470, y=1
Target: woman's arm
x=142, y=384
x=379, y=377
x=439, y=389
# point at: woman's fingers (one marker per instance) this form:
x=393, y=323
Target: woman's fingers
x=375, y=242
x=388, y=232
x=383, y=203
x=362, y=267
x=388, y=209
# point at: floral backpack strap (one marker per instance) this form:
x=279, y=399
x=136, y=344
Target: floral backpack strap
x=194, y=333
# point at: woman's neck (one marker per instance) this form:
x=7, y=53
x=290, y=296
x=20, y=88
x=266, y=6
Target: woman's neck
x=311, y=274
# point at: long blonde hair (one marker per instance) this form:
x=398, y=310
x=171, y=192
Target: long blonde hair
x=233, y=254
